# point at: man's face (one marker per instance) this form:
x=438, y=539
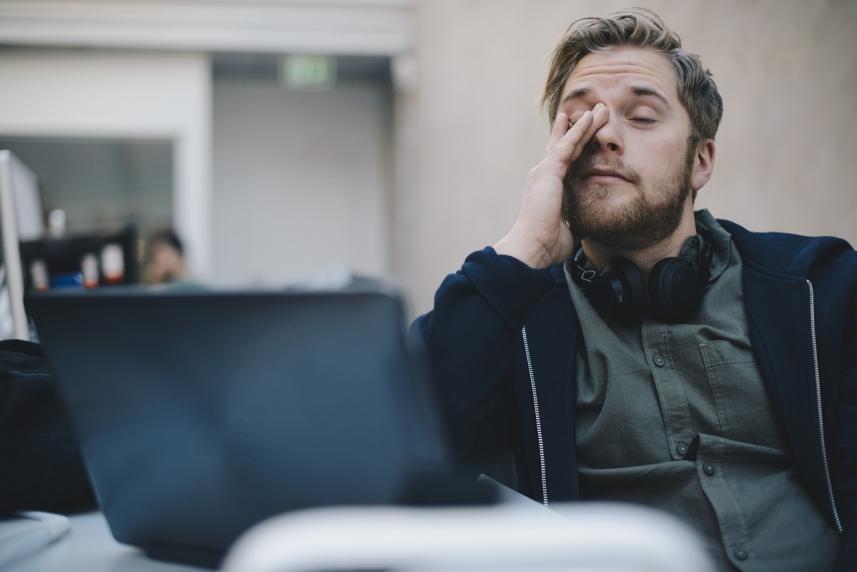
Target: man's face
x=165, y=264
x=631, y=184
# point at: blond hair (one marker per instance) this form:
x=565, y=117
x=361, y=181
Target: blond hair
x=641, y=28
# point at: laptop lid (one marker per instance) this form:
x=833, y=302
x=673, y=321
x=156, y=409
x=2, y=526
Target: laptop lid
x=200, y=414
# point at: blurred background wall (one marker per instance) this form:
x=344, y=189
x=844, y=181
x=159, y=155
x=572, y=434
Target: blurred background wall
x=301, y=179
x=416, y=153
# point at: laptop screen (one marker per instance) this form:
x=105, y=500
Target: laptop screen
x=201, y=413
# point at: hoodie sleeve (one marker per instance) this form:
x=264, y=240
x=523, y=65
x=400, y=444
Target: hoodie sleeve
x=844, y=448
x=472, y=336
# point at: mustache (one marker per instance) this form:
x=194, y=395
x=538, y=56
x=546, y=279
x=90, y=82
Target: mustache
x=586, y=163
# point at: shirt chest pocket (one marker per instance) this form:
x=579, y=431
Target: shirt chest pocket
x=743, y=409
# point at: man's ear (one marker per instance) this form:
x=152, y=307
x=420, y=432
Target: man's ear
x=703, y=164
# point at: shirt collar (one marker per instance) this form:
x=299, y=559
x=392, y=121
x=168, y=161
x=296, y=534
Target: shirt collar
x=720, y=242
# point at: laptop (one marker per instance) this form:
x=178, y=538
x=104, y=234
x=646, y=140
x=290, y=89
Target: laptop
x=200, y=414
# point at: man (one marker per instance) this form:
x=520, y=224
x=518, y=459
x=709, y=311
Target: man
x=623, y=347
x=166, y=261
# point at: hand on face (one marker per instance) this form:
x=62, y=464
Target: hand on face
x=540, y=235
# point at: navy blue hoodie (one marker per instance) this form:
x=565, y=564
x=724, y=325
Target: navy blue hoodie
x=502, y=337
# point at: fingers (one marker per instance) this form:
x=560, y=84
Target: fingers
x=559, y=128
x=600, y=115
x=568, y=147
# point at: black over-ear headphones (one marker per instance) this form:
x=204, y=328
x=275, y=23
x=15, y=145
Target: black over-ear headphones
x=672, y=293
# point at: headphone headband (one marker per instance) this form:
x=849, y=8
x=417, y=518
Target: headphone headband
x=672, y=293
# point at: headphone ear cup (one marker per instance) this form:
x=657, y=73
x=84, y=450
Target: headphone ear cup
x=619, y=290
x=675, y=290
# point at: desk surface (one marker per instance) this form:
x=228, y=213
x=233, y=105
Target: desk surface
x=503, y=536
x=89, y=546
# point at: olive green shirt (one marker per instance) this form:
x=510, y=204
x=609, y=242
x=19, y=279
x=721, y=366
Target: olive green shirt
x=675, y=416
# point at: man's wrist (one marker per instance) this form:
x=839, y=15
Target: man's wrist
x=528, y=251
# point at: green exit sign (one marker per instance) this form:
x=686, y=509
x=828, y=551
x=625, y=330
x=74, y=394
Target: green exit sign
x=308, y=72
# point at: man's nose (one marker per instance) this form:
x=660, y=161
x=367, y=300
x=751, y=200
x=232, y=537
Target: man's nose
x=608, y=139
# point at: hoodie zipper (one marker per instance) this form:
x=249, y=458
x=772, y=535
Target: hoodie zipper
x=828, y=481
x=538, y=418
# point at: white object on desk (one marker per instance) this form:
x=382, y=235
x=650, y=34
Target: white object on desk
x=585, y=537
x=89, y=547
x=26, y=533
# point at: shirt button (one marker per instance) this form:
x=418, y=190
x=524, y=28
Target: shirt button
x=659, y=360
x=709, y=469
x=741, y=554
x=681, y=448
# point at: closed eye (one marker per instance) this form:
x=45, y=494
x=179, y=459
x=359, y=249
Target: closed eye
x=643, y=119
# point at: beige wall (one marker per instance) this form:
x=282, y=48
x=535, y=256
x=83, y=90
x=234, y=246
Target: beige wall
x=786, y=149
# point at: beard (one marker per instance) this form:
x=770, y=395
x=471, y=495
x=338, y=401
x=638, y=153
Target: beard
x=647, y=219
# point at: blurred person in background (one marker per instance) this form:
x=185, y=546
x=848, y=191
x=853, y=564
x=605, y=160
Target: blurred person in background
x=624, y=347
x=165, y=261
